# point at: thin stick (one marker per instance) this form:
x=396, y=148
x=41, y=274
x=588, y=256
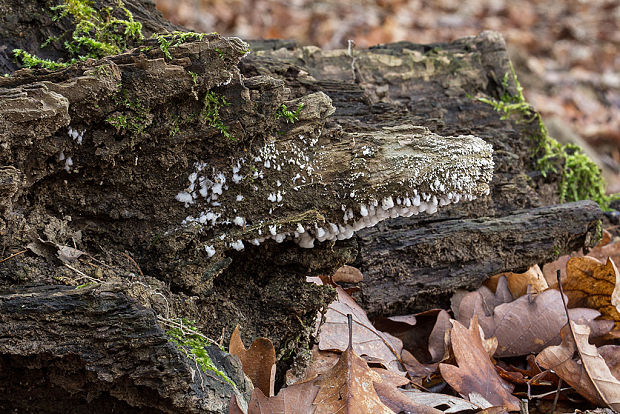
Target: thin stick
x=134, y=263
x=84, y=275
x=13, y=255
x=557, y=395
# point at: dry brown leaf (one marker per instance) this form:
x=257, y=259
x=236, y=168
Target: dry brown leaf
x=322, y=361
x=296, y=399
x=475, y=372
x=594, y=285
x=367, y=340
x=259, y=362
x=416, y=369
x=398, y=402
x=589, y=375
x=526, y=324
x=433, y=399
x=611, y=355
x=422, y=334
x=518, y=282
x=348, y=274
x=348, y=386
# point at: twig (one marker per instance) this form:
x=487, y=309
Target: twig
x=174, y=324
x=84, y=275
x=134, y=263
x=13, y=255
x=557, y=395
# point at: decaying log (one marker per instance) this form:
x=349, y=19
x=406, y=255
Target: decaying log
x=67, y=350
x=402, y=271
x=228, y=176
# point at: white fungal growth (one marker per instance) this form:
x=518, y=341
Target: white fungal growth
x=239, y=197
x=237, y=245
x=68, y=164
x=185, y=197
x=210, y=250
x=239, y=221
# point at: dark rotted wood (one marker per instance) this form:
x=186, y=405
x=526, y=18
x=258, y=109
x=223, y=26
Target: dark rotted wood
x=67, y=350
x=415, y=268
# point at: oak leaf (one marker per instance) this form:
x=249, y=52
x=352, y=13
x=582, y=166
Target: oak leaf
x=475, y=373
x=518, y=282
x=527, y=324
x=367, y=340
x=595, y=285
x=589, y=374
x=259, y=362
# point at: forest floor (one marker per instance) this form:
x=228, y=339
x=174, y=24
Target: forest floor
x=565, y=53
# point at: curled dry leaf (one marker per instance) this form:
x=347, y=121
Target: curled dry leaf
x=259, y=362
x=595, y=285
x=527, y=324
x=367, y=340
x=589, y=374
x=518, y=282
x=475, y=373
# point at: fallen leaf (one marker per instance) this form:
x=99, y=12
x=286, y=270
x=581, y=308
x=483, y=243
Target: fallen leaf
x=527, y=324
x=432, y=399
x=422, y=334
x=322, y=361
x=589, y=374
x=595, y=285
x=348, y=274
x=475, y=372
x=296, y=399
x=398, y=402
x=349, y=386
x=518, y=282
x=367, y=340
x=415, y=368
x=259, y=362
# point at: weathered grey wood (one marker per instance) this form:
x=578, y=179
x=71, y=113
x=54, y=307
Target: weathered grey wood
x=415, y=268
x=67, y=350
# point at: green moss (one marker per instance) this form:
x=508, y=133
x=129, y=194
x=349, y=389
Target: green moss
x=212, y=103
x=117, y=121
x=134, y=116
x=194, y=345
x=194, y=77
x=283, y=112
x=97, y=33
x=168, y=40
x=31, y=61
x=581, y=178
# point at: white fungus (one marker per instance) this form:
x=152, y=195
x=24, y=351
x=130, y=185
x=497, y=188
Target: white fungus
x=210, y=250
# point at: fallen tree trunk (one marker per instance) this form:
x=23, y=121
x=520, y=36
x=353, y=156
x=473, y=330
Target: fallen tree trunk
x=222, y=179
x=402, y=271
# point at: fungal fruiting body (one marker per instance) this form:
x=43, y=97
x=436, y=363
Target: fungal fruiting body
x=414, y=172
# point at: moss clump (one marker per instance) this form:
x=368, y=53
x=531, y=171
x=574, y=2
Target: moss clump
x=581, y=178
x=212, y=103
x=194, y=345
x=31, y=61
x=289, y=116
x=133, y=117
x=168, y=40
x=97, y=33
